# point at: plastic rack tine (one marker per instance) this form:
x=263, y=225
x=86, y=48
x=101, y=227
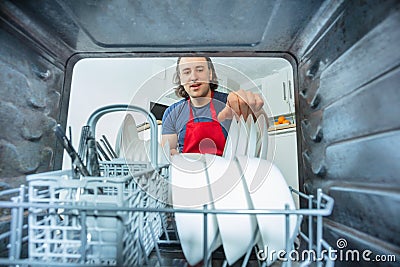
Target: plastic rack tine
x=85, y=132
x=83, y=236
x=13, y=231
x=213, y=243
x=16, y=226
x=175, y=231
x=319, y=227
x=143, y=250
x=205, y=244
x=20, y=221
x=249, y=250
x=310, y=224
x=288, y=263
x=164, y=227
x=153, y=236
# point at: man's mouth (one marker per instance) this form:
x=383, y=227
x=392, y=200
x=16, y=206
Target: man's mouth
x=195, y=86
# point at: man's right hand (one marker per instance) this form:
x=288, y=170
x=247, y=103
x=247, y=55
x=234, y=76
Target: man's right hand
x=242, y=103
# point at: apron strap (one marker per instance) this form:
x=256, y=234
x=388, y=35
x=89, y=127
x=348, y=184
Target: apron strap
x=212, y=109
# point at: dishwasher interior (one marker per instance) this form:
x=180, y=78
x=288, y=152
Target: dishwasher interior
x=345, y=64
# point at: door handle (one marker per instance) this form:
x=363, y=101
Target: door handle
x=284, y=91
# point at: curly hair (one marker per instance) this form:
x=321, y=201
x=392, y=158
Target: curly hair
x=180, y=90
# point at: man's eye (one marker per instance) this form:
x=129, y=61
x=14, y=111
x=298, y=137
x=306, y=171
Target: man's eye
x=185, y=72
x=200, y=69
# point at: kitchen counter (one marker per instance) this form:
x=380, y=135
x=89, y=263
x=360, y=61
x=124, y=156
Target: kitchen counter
x=281, y=127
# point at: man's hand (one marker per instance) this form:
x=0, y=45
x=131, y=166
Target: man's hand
x=172, y=141
x=241, y=103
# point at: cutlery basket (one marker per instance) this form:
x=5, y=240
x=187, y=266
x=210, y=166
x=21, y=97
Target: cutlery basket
x=80, y=221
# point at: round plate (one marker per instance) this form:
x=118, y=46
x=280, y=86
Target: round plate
x=269, y=190
x=229, y=192
x=190, y=191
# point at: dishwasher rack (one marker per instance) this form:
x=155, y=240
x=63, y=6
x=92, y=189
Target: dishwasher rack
x=99, y=230
x=122, y=217
x=89, y=221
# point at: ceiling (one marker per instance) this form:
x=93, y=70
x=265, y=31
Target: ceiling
x=66, y=28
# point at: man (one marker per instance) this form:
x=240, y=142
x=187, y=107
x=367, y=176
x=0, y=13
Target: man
x=200, y=122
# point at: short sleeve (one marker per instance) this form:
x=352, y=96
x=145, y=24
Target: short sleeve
x=168, y=125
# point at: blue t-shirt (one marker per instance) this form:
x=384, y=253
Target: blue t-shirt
x=177, y=115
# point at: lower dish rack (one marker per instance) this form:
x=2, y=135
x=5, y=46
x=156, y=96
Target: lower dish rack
x=122, y=218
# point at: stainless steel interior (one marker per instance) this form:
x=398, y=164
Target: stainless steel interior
x=346, y=60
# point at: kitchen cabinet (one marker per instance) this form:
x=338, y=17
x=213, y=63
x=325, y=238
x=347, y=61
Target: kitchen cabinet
x=279, y=93
x=285, y=156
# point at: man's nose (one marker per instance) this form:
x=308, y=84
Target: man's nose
x=193, y=76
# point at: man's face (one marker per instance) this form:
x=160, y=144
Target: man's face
x=195, y=76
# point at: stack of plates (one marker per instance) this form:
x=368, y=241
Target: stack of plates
x=239, y=183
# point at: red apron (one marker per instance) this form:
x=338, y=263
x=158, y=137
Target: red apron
x=204, y=137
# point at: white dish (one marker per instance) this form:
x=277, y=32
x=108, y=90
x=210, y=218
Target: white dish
x=135, y=150
x=252, y=140
x=243, y=138
x=231, y=140
x=228, y=192
x=262, y=144
x=249, y=121
x=126, y=133
x=269, y=190
x=190, y=189
x=139, y=150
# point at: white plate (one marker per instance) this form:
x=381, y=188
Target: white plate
x=252, y=140
x=136, y=150
x=231, y=140
x=126, y=133
x=249, y=121
x=262, y=132
x=190, y=190
x=228, y=192
x=139, y=150
x=243, y=138
x=269, y=190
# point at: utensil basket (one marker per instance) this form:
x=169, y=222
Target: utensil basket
x=88, y=234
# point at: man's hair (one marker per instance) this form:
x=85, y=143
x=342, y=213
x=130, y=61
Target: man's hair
x=180, y=90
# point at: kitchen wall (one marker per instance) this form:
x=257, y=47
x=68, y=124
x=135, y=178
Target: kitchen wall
x=101, y=82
